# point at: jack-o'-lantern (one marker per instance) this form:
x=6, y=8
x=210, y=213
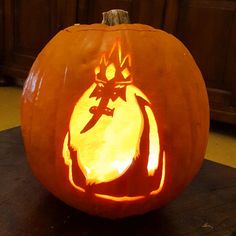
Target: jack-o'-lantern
x=115, y=118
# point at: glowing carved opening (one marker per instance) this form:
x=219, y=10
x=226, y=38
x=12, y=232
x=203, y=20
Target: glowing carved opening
x=110, y=72
x=112, y=65
x=127, y=198
x=68, y=162
x=107, y=126
x=125, y=73
x=97, y=70
x=107, y=150
x=154, y=148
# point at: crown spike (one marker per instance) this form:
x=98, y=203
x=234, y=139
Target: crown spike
x=115, y=54
x=115, y=68
x=126, y=62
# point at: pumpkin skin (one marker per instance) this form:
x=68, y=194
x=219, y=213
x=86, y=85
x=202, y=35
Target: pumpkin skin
x=162, y=69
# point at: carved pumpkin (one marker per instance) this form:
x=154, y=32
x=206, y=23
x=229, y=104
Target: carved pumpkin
x=115, y=119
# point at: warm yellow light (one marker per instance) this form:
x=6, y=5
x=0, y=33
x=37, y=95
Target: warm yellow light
x=107, y=150
x=128, y=199
x=163, y=175
x=110, y=72
x=97, y=70
x=102, y=153
x=121, y=166
x=154, y=146
x=125, y=73
x=66, y=152
x=119, y=199
x=68, y=162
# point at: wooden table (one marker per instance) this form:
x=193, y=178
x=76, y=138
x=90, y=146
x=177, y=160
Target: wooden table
x=207, y=207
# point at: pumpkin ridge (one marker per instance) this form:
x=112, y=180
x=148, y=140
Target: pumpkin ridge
x=92, y=27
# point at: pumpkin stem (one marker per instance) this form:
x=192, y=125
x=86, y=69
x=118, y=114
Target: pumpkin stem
x=115, y=17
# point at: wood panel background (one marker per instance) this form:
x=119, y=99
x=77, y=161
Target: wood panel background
x=206, y=27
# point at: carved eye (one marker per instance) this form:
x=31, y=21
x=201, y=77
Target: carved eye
x=125, y=73
x=110, y=72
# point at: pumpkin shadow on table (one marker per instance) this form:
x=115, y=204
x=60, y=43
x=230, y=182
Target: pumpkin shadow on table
x=53, y=217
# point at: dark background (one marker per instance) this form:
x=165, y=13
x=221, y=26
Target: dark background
x=206, y=27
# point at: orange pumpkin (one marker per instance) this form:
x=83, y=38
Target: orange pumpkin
x=115, y=118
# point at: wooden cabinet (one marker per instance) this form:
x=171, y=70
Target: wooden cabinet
x=207, y=28
x=27, y=26
x=140, y=11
